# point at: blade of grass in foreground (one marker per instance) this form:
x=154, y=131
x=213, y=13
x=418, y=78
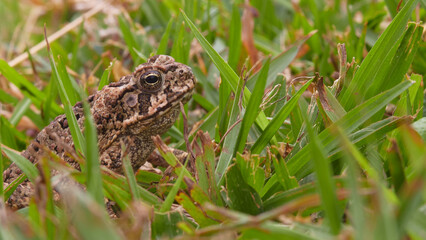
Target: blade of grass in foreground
x=412, y=195
x=117, y=185
x=24, y=164
x=356, y=207
x=130, y=175
x=76, y=134
x=87, y=217
x=48, y=204
x=324, y=181
x=356, y=156
x=8, y=191
x=7, y=98
x=240, y=196
x=93, y=172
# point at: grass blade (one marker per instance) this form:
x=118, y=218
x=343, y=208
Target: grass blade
x=130, y=175
x=20, y=110
x=105, y=76
x=252, y=108
x=280, y=62
x=162, y=47
x=7, y=98
x=167, y=204
x=66, y=83
x=374, y=60
x=60, y=77
x=13, y=185
x=93, y=172
x=170, y=158
x=277, y=121
x=399, y=64
x=129, y=39
x=24, y=164
x=180, y=49
x=230, y=140
x=76, y=46
x=231, y=78
x=118, y=186
x=240, y=195
x=86, y=216
x=325, y=183
x=234, y=42
x=352, y=120
x=228, y=74
x=193, y=203
x=27, y=88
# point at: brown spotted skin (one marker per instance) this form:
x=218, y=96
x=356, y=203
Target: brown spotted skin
x=129, y=111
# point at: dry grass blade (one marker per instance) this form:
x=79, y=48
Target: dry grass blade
x=70, y=26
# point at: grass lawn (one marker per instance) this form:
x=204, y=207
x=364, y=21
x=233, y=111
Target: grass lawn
x=307, y=121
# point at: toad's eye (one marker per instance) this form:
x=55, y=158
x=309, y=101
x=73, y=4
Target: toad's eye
x=151, y=81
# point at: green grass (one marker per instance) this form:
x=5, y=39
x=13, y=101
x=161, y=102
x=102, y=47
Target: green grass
x=310, y=125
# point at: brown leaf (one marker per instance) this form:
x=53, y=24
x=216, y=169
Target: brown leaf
x=322, y=95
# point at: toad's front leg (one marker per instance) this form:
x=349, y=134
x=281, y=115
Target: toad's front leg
x=136, y=148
